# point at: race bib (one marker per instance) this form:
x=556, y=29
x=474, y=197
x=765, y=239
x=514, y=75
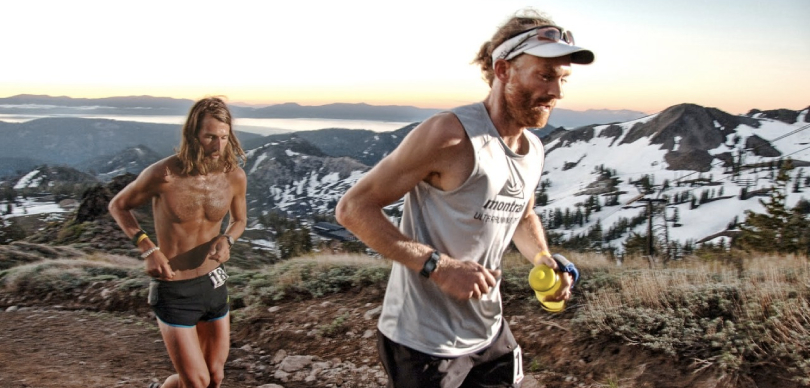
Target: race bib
x=518, y=362
x=218, y=277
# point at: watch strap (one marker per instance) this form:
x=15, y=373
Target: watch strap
x=431, y=264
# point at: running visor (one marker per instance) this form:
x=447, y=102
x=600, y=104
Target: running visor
x=544, y=42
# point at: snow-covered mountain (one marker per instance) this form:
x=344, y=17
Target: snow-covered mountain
x=293, y=177
x=709, y=165
x=683, y=152
x=702, y=166
x=44, y=177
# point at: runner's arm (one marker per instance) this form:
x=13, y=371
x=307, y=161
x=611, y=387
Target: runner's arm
x=530, y=238
x=422, y=154
x=134, y=195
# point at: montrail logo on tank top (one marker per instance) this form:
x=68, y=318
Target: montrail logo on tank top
x=508, y=205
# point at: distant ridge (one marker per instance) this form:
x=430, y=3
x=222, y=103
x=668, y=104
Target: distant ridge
x=30, y=104
x=73, y=141
x=146, y=105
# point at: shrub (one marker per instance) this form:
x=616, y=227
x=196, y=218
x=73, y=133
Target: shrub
x=707, y=313
x=312, y=277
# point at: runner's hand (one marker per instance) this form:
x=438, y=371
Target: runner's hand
x=157, y=266
x=220, y=250
x=564, y=293
x=464, y=280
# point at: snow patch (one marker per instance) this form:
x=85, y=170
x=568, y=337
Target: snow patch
x=28, y=180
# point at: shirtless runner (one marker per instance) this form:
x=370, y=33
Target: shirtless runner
x=191, y=193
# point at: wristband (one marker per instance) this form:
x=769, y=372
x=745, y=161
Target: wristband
x=139, y=236
x=149, y=252
x=566, y=266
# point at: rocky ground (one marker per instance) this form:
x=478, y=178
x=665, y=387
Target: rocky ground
x=324, y=342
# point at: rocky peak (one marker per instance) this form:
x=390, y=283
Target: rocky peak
x=690, y=126
x=784, y=115
x=96, y=199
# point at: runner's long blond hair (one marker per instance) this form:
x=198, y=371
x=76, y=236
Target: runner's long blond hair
x=191, y=154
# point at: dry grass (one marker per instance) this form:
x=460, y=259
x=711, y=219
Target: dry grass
x=63, y=275
x=732, y=316
x=764, y=280
x=309, y=277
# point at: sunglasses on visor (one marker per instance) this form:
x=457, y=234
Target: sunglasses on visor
x=547, y=33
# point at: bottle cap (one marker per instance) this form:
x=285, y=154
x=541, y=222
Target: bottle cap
x=542, y=278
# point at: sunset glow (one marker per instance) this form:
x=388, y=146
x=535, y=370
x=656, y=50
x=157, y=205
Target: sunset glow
x=649, y=55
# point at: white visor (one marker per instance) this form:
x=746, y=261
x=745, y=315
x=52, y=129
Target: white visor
x=542, y=48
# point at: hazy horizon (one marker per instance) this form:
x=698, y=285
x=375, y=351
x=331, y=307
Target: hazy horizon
x=649, y=55
x=261, y=126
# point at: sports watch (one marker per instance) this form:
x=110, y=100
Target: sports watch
x=430, y=264
x=230, y=240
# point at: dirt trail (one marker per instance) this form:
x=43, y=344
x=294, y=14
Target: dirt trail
x=42, y=348
x=51, y=346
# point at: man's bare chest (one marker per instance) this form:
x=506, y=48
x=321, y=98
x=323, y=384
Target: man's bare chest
x=197, y=199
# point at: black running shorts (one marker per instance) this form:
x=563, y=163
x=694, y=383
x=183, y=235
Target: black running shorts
x=184, y=303
x=499, y=365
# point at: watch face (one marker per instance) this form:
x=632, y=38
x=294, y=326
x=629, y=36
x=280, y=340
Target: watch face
x=430, y=266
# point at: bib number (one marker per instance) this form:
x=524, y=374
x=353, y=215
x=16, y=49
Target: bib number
x=218, y=277
x=517, y=358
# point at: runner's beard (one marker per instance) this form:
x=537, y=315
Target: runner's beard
x=212, y=164
x=521, y=109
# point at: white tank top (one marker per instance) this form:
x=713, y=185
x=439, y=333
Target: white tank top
x=474, y=222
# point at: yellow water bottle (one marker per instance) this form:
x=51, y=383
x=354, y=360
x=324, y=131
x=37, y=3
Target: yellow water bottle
x=546, y=282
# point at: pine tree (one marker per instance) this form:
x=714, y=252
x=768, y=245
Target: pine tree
x=636, y=244
x=797, y=182
x=780, y=228
x=558, y=218
x=704, y=197
x=595, y=233
x=541, y=199
x=568, y=219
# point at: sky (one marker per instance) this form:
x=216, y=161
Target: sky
x=733, y=55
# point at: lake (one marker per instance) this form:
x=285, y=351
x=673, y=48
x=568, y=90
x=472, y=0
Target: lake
x=259, y=126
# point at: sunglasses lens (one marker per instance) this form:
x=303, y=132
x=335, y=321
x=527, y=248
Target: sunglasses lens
x=555, y=34
x=549, y=34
